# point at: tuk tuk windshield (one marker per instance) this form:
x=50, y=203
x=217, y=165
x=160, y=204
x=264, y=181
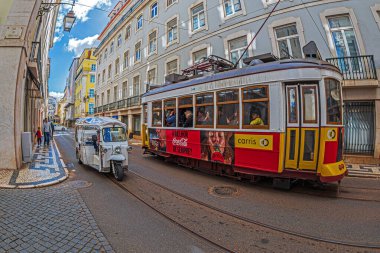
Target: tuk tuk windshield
x=114, y=134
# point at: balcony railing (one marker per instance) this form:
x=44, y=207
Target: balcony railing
x=134, y=101
x=124, y=103
x=355, y=67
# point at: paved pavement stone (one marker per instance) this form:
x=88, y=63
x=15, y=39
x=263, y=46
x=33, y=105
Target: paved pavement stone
x=53, y=219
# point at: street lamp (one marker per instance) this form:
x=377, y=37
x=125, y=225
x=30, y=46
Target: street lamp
x=68, y=21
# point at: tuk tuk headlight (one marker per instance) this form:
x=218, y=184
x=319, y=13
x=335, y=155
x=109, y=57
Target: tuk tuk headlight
x=118, y=150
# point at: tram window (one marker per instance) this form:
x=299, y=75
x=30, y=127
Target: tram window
x=333, y=101
x=292, y=105
x=204, y=110
x=309, y=94
x=170, y=113
x=228, y=108
x=256, y=107
x=157, y=114
x=185, y=111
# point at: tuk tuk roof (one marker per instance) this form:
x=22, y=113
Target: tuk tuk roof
x=99, y=121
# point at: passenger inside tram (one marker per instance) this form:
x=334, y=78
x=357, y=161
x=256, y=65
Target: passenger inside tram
x=188, y=118
x=256, y=119
x=170, y=118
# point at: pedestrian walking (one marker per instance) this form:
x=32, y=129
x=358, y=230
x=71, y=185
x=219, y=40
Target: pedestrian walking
x=52, y=130
x=47, y=130
x=39, y=136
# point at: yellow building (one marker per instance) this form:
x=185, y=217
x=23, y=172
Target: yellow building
x=85, y=84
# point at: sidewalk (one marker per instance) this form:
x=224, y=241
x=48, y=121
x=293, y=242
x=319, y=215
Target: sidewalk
x=47, y=168
x=362, y=170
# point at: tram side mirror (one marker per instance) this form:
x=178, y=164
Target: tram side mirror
x=130, y=136
x=129, y=149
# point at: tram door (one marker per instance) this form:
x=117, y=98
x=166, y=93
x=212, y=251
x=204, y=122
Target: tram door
x=302, y=126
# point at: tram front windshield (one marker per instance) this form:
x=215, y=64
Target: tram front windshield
x=114, y=134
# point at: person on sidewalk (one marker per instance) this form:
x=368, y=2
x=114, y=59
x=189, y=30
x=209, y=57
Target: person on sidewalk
x=39, y=136
x=47, y=130
x=52, y=130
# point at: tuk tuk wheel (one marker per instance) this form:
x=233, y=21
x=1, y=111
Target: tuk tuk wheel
x=78, y=157
x=118, y=171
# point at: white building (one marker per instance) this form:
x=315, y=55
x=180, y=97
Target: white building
x=146, y=40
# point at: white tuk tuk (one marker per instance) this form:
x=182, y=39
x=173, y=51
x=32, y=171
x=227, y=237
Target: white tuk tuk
x=102, y=143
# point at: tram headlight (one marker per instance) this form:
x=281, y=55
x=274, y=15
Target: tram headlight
x=118, y=150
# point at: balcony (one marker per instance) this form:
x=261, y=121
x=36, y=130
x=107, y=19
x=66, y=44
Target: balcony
x=356, y=67
x=124, y=103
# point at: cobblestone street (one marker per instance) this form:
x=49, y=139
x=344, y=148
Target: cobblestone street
x=53, y=219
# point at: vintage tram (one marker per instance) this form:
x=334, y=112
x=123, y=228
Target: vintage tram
x=280, y=119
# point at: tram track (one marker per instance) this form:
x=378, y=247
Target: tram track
x=216, y=245
x=238, y=218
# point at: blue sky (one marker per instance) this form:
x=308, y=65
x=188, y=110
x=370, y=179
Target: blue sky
x=89, y=24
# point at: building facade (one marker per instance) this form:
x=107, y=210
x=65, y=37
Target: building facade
x=146, y=40
x=70, y=94
x=26, y=36
x=52, y=109
x=85, y=84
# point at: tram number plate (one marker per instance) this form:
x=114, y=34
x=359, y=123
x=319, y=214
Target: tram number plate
x=263, y=142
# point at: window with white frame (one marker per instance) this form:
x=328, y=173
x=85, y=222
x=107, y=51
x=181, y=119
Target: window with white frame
x=92, y=78
x=115, y=93
x=138, y=51
x=231, y=7
x=236, y=48
x=103, y=102
x=103, y=75
x=198, y=17
x=136, y=85
x=170, y=2
x=151, y=76
x=100, y=59
x=139, y=22
x=93, y=67
x=126, y=59
x=111, y=47
x=343, y=35
x=288, y=41
x=105, y=53
x=117, y=66
x=172, y=27
x=154, y=10
x=172, y=67
x=152, y=42
x=199, y=55
x=98, y=80
x=109, y=70
x=108, y=96
x=127, y=32
x=119, y=40
x=125, y=89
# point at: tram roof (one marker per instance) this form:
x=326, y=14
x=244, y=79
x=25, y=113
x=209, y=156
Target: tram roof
x=98, y=121
x=249, y=70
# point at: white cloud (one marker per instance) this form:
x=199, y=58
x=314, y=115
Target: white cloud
x=57, y=95
x=77, y=45
x=81, y=10
x=83, y=7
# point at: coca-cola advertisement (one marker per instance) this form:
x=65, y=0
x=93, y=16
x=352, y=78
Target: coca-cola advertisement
x=217, y=146
x=184, y=143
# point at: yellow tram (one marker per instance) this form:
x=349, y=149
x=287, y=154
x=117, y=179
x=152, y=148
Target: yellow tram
x=281, y=119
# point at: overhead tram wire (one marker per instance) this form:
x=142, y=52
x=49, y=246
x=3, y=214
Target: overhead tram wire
x=254, y=37
x=320, y=33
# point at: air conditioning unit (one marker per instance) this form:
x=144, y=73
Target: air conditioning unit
x=27, y=147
